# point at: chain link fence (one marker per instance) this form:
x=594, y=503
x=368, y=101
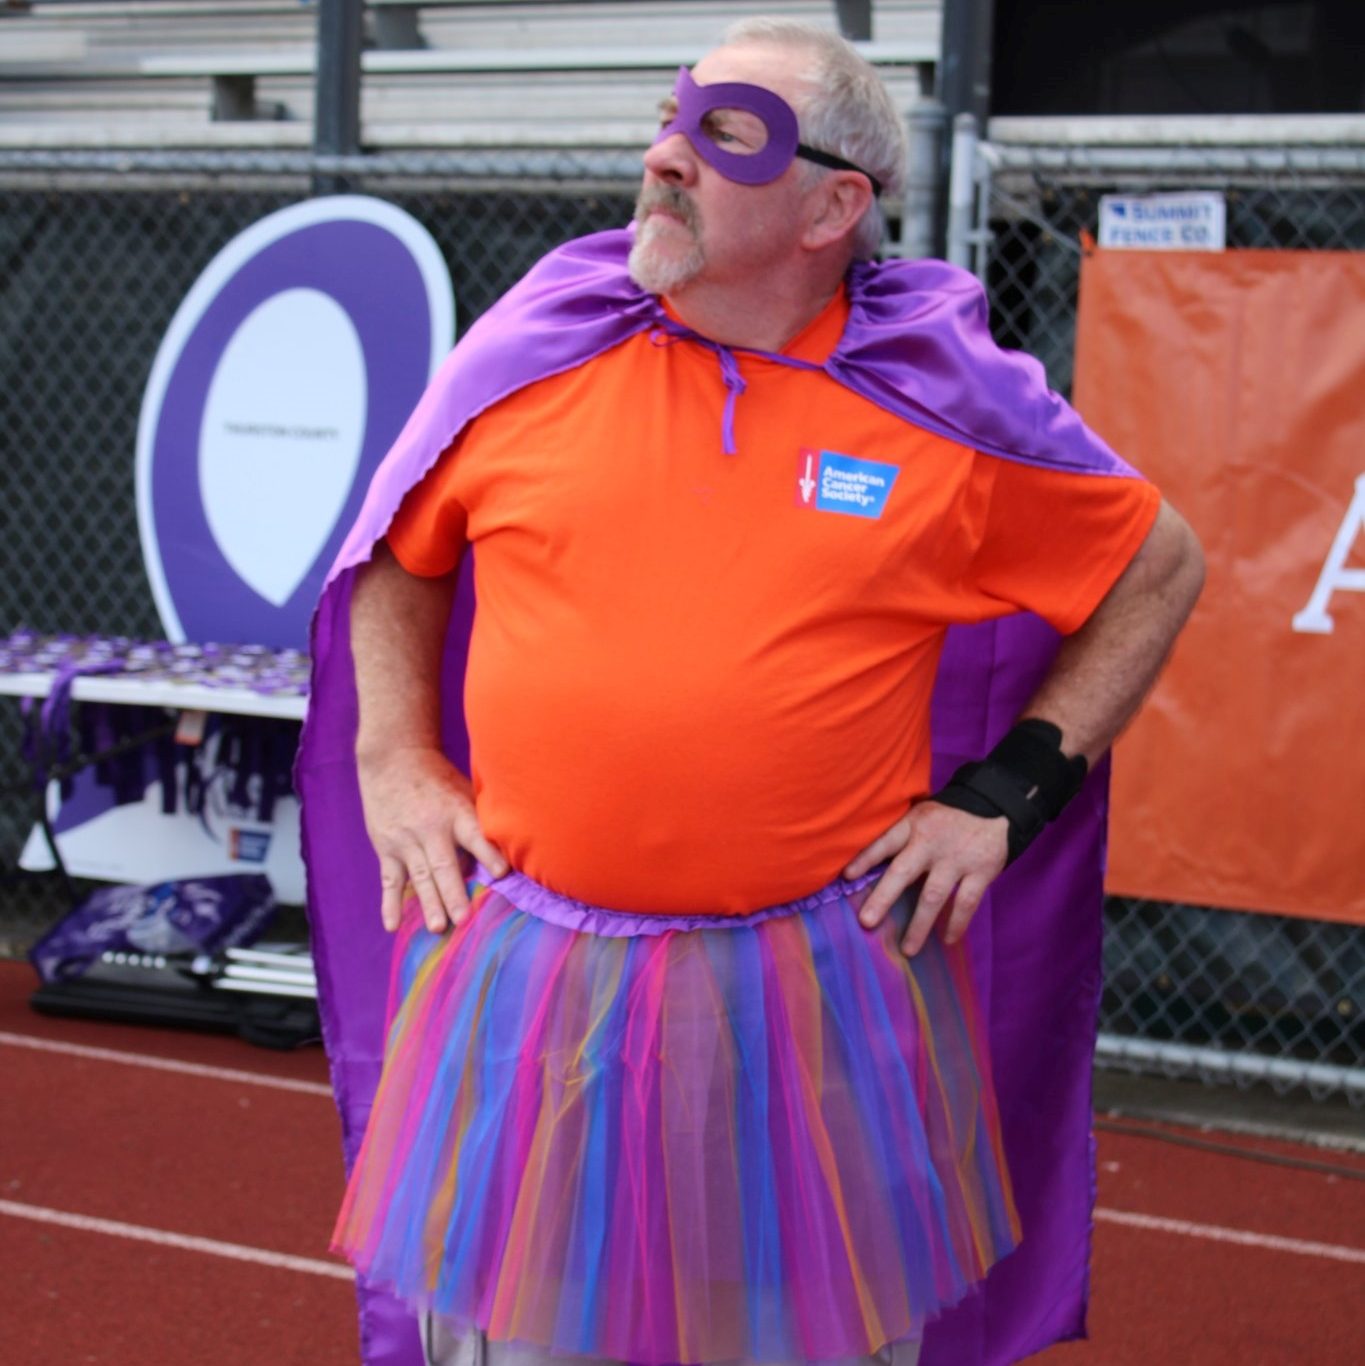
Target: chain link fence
x=97, y=250
x=1189, y=990
x=96, y=253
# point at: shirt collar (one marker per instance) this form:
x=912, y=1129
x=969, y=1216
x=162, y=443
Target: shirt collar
x=813, y=344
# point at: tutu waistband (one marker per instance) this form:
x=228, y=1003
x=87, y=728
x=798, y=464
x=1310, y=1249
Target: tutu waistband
x=555, y=909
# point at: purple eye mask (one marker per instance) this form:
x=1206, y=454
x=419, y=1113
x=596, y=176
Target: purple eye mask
x=695, y=102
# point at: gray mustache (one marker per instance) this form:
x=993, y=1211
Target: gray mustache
x=665, y=197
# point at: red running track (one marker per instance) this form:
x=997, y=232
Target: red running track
x=153, y=1216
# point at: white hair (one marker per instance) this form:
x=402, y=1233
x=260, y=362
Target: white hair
x=849, y=111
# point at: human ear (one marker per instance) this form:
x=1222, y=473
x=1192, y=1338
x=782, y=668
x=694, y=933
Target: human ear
x=838, y=204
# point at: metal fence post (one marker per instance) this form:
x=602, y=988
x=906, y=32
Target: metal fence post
x=336, y=116
x=919, y=212
x=855, y=19
x=962, y=192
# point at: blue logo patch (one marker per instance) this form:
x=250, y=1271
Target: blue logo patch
x=831, y=482
x=248, y=846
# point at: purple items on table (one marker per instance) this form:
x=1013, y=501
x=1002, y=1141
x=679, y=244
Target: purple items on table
x=256, y=668
x=198, y=916
x=254, y=755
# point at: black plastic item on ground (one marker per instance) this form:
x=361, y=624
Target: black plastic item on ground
x=265, y=996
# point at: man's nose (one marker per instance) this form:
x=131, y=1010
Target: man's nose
x=672, y=159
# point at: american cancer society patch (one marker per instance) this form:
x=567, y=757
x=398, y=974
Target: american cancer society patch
x=830, y=482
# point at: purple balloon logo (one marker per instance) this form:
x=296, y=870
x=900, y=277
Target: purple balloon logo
x=284, y=377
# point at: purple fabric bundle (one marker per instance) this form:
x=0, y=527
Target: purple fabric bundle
x=917, y=343
x=201, y=915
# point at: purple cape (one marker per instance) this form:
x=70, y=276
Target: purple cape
x=917, y=343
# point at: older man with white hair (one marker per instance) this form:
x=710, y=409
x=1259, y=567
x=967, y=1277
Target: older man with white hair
x=689, y=1067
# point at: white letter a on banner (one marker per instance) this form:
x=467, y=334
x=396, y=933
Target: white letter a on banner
x=1335, y=577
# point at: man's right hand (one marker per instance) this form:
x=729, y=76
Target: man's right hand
x=419, y=808
x=419, y=811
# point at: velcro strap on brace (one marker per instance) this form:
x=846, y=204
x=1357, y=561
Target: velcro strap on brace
x=1026, y=778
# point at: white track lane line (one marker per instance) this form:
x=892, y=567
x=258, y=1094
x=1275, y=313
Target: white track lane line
x=190, y=1069
x=1151, y=1222
x=84, y=1223
x=1269, y=1241
x=236, y=1251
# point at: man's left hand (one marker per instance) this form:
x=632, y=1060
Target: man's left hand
x=956, y=854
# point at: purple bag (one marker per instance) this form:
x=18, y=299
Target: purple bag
x=199, y=915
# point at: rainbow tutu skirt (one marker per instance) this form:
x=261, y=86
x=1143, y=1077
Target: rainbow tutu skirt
x=662, y=1140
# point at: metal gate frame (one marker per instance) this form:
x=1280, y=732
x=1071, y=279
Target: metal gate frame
x=1017, y=202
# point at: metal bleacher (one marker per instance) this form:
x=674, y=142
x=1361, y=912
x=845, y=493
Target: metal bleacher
x=162, y=74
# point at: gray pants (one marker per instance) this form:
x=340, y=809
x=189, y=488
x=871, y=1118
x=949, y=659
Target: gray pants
x=441, y=1347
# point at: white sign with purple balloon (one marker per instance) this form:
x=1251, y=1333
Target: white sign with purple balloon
x=283, y=378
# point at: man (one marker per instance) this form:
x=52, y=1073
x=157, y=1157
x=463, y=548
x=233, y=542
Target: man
x=697, y=1074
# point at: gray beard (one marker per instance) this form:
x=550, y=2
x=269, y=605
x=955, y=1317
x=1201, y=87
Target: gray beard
x=662, y=276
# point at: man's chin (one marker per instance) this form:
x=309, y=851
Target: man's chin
x=658, y=271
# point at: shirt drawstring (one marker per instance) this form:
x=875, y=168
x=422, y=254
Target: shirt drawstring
x=666, y=332
x=734, y=387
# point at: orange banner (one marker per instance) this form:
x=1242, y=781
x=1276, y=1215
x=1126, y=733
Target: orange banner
x=1236, y=381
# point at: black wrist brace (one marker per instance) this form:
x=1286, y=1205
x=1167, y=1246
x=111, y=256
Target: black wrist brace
x=1026, y=778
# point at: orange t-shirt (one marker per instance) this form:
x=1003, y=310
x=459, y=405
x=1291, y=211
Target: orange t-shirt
x=700, y=682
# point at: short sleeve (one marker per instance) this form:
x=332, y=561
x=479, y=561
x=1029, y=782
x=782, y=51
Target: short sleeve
x=428, y=534
x=1054, y=542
